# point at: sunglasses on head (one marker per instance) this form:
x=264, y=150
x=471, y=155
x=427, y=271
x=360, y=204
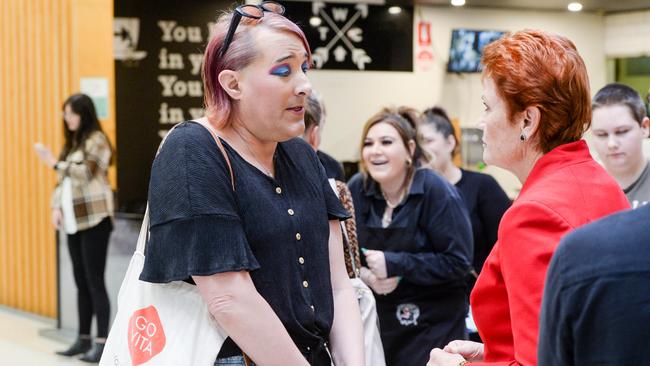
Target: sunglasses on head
x=249, y=11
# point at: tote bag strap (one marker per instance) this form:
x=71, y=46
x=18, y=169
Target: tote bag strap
x=217, y=139
x=144, y=230
x=344, y=230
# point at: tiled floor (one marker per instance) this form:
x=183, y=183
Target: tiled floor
x=21, y=344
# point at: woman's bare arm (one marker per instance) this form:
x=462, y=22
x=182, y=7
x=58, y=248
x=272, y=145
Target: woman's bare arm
x=248, y=319
x=346, y=336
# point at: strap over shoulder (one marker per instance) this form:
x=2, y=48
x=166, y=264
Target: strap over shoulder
x=144, y=230
x=217, y=139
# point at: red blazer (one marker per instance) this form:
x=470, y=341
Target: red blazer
x=565, y=189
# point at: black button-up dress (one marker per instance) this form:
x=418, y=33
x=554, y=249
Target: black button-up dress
x=275, y=228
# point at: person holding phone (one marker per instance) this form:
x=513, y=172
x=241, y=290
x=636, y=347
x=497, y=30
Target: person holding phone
x=82, y=207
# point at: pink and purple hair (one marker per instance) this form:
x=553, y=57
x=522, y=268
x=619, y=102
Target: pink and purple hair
x=240, y=53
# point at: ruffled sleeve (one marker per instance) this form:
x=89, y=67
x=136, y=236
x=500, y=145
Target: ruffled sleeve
x=195, y=227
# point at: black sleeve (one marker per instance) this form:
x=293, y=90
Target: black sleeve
x=492, y=204
x=355, y=185
x=195, y=228
x=449, y=233
x=335, y=210
x=333, y=168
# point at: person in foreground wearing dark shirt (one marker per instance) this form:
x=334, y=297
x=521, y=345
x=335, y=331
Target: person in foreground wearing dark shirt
x=596, y=307
x=314, y=124
x=418, y=243
x=256, y=226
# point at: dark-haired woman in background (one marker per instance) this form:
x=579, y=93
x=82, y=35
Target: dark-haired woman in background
x=417, y=239
x=485, y=199
x=82, y=206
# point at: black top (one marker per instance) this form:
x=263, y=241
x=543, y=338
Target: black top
x=428, y=243
x=333, y=168
x=486, y=202
x=596, y=307
x=199, y=226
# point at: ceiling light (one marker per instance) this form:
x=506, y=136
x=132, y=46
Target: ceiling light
x=315, y=21
x=457, y=2
x=574, y=6
x=394, y=10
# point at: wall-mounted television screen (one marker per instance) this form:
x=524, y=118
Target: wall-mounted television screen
x=467, y=47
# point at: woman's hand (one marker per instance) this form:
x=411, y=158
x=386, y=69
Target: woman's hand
x=57, y=216
x=438, y=357
x=379, y=286
x=471, y=351
x=368, y=277
x=45, y=154
x=387, y=285
x=376, y=262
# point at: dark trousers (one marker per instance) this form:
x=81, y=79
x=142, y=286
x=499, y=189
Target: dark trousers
x=88, y=249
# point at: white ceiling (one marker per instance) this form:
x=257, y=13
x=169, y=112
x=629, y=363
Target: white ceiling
x=605, y=6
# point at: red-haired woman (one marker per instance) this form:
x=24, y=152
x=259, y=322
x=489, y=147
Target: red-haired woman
x=537, y=107
x=265, y=254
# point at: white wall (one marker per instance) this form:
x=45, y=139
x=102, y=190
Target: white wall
x=626, y=34
x=353, y=96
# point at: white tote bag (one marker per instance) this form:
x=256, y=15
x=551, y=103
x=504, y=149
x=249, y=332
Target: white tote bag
x=374, y=349
x=161, y=324
x=371, y=338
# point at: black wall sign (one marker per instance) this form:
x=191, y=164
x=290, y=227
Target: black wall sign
x=158, y=49
x=356, y=36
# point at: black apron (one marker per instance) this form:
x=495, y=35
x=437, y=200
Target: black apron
x=413, y=319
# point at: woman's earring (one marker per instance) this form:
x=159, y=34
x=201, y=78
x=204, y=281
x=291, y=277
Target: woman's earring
x=522, y=137
x=409, y=162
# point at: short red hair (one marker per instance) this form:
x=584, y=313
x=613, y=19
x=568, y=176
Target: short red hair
x=537, y=68
x=241, y=53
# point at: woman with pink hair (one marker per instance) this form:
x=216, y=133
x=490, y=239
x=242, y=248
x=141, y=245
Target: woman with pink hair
x=257, y=226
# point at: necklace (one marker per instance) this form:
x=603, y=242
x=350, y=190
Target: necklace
x=260, y=165
x=257, y=164
x=399, y=200
x=387, y=217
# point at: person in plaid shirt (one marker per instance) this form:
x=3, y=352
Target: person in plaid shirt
x=82, y=206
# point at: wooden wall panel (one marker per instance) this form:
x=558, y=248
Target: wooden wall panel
x=46, y=47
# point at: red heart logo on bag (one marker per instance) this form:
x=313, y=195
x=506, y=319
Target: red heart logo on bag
x=146, y=335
